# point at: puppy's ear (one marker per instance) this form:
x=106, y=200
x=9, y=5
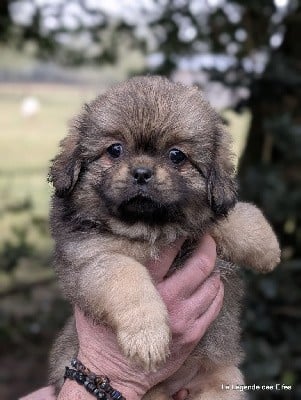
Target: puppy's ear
x=221, y=184
x=66, y=166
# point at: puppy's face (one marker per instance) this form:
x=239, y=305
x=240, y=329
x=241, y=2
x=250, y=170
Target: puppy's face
x=152, y=180
x=147, y=151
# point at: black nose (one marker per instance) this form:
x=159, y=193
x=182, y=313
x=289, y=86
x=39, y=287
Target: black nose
x=142, y=175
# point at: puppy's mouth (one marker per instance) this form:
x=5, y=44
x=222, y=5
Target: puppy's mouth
x=145, y=209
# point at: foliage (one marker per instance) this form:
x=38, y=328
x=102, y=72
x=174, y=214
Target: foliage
x=270, y=176
x=12, y=252
x=19, y=244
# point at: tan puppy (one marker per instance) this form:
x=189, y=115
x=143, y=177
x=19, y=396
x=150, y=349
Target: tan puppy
x=145, y=163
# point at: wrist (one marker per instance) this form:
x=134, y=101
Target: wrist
x=72, y=390
x=99, y=351
x=121, y=378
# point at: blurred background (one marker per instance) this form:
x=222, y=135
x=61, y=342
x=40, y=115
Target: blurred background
x=57, y=54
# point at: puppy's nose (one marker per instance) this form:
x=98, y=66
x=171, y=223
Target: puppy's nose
x=142, y=175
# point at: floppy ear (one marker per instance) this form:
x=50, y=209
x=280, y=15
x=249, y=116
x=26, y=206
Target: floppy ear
x=66, y=166
x=221, y=184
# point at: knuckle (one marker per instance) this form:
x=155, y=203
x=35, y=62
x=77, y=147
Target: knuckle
x=212, y=287
x=197, y=331
x=167, y=296
x=177, y=325
x=194, y=336
x=210, y=239
x=215, y=283
x=205, y=264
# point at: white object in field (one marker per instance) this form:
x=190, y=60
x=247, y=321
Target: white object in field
x=30, y=106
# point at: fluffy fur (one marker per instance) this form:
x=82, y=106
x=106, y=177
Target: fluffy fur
x=112, y=212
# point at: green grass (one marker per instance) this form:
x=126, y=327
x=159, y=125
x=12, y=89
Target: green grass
x=238, y=127
x=28, y=143
x=26, y=146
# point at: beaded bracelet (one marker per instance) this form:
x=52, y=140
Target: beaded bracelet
x=98, y=385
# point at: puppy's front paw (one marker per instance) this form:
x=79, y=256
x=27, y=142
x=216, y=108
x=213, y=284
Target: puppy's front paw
x=147, y=346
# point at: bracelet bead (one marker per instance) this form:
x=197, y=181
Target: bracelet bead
x=80, y=378
x=90, y=386
x=116, y=395
x=102, y=396
x=98, y=385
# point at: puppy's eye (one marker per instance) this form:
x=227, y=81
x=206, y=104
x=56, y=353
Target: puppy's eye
x=176, y=156
x=115, y=150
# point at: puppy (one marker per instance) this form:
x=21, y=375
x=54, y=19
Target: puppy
x=143, y=164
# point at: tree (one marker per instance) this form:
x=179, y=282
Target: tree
x=270, y=174
x=5, y=21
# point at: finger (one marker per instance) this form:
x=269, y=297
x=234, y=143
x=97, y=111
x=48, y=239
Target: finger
x=202, y=324
x=197, y=304
x=158, y=268
x=197, y=268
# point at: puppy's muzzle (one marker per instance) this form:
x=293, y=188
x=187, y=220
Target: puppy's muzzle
x=142, y=175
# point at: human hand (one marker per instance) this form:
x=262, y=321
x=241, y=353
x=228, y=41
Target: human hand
x=193, y=297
